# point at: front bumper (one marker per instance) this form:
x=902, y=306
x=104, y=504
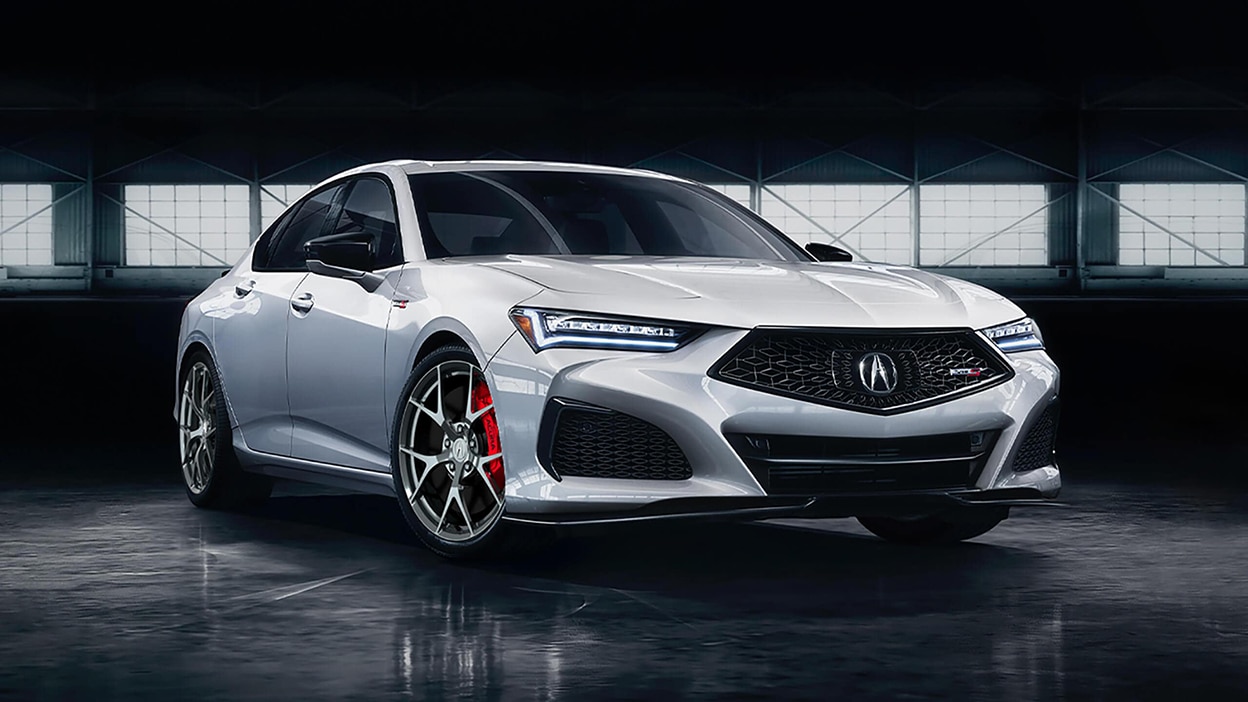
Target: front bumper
x=673, y=391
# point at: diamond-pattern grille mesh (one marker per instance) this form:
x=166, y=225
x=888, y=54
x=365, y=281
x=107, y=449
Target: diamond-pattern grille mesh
x=823, y=366
x=614, y=445
x=1036, y=451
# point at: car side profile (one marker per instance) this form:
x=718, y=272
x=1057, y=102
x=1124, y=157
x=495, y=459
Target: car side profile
x=500, y=344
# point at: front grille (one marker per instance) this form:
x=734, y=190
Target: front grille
x=593, y=442
x=826, y=366
x=819, y=465
x=1036, y=449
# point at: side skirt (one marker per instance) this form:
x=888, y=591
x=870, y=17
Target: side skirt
x=300, y=470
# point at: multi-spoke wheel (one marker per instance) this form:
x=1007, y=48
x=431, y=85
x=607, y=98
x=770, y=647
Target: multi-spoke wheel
x=197, y=423
x=447, y=453
x=210, y=468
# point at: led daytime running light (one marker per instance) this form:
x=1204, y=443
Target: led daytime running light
x=550, y=329
x=1022, y=335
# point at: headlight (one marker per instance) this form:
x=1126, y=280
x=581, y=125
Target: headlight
x=1022, y=335
x=547, y=329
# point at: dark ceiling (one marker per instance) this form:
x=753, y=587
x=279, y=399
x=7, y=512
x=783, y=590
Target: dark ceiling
x=615, y=44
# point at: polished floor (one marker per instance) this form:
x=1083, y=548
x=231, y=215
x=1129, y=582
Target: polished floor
x=113, y=587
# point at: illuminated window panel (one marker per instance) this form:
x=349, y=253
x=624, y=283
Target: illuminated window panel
x=983, y=225
x=870, y=221
x=737, y=191
x=274, y=199
x=1181, y=224
x=186, y=225
x=25, y=224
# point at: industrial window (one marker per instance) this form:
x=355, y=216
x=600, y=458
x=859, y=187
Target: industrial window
x=1181, y=224
x=25, y=224
x=870, y=221
x=274, y=199
x=737, y=191
x=186, y=225
x=983, y=225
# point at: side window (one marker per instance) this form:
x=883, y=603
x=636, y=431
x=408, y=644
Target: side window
x=370, y=210
x=306, y=223
x=464, y=216
x=264, y=245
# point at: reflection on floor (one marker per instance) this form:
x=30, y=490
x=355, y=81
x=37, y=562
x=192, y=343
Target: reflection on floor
x=113, y=589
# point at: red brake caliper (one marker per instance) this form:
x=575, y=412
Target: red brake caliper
x=489, y=423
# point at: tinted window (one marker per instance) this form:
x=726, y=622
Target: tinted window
x=370, y=210
x=548, y=213
x=264, y=246
x=461, y=215
x=307, y=222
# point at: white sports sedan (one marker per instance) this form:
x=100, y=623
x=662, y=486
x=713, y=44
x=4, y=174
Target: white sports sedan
x=508, y=343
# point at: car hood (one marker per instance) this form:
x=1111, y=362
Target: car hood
x=744, y=293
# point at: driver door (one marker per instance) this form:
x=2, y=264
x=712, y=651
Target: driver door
x=335, y=353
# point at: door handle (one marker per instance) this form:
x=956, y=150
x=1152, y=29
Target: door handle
x=303, y=302
x=244, y=289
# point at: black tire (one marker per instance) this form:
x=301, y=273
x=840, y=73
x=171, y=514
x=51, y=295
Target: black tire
x=228, y=485
x=936, y=529
x=500, y=539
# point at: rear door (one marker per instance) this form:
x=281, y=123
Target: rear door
x=336, y=350
x=250, y=337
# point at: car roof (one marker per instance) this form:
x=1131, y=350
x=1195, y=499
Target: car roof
x=413, y=167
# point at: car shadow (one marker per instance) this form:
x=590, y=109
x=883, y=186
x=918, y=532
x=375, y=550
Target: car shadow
x=734, y=564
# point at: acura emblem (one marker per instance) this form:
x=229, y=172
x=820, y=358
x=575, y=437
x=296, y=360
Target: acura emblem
x=878, y=373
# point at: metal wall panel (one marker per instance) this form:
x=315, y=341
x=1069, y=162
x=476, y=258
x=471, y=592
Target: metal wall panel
x=109, y=225
x=1061, y=223
x=69, y=224
x=1100, y=223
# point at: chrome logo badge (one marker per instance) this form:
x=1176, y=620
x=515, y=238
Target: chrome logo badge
x=878, y=373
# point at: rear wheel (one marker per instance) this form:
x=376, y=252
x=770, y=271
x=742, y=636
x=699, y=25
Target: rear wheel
x=446, y=456
x=210, y=468
x=934, y=529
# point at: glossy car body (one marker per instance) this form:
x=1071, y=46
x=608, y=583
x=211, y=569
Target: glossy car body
x=313, y=368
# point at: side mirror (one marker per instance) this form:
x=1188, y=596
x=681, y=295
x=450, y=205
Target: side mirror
x=828, y=252
x=348, y=255
x=352, y=249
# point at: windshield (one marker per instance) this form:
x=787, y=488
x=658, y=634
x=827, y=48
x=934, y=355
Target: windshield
x=546, y=213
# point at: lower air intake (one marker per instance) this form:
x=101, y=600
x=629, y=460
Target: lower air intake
x=1036, y=449
x=594, y=442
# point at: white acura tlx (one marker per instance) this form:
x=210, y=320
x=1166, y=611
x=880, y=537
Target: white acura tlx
x=509, y=344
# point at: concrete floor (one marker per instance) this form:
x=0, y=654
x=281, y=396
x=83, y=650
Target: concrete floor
x=112, y=586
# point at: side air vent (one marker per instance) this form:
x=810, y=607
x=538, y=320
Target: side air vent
x=587, y=441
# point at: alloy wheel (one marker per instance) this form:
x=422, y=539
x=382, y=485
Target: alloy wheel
x=197, y=413
x=450, y=457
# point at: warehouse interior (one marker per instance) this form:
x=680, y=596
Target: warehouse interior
x=1096, y=171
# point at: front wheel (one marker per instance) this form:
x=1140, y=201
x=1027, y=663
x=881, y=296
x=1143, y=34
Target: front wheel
x=935, y=529
x=446, y=456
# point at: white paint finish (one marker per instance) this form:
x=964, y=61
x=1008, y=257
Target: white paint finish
x=335, y=359
x=249, y=347
x=744, y=294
